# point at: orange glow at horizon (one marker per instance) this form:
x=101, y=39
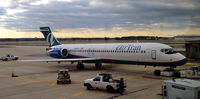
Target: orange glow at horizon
x=100, y=32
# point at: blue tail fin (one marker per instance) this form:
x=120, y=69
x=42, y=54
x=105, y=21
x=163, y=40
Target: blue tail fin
x=46, y=31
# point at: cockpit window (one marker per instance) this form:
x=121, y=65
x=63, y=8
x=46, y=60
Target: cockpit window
x=168, y=51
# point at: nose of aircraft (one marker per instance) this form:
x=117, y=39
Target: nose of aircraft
x=181, y=59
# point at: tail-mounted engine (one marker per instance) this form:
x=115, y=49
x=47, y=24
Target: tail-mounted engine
x=58, y=53
x=64, y=53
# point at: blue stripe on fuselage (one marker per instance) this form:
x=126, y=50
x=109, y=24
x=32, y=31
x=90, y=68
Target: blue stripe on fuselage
x=177, y=63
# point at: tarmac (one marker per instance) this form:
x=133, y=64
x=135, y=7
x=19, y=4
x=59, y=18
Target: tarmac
x=37, y=80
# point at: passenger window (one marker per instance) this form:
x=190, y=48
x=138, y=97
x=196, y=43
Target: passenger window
x=106, y=78
x=97, y=79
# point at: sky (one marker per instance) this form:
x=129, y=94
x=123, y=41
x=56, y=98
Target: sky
x=99, y=18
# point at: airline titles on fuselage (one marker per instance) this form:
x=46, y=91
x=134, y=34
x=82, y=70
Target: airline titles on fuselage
x=129, y=47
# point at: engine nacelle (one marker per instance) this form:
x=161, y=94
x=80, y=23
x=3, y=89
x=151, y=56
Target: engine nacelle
x=64, y=53
x=58, y=53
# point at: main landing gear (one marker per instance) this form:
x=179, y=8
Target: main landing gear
x=80, y=66
x=98, y=65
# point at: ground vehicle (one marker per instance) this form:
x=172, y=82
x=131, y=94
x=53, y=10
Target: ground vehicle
x=193, y=72
x=181, y=89
x=103, y=81
x=63, y=77
x=9, y=57
x=170, y=72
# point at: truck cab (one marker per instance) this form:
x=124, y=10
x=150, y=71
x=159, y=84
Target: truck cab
x=9, y=57
x=102, y=81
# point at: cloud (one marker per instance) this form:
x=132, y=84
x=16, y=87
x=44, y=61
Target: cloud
x=130, y=15
x=14, y=11
x=5, y=3
x=40, y=2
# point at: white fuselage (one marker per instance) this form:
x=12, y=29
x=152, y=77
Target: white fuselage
x=156, y=54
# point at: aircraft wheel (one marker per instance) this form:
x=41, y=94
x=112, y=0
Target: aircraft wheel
x=80, y=66
x=98, y=65
x=157, y=72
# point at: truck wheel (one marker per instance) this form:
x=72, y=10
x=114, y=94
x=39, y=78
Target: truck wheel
x=110, y=89
x=70, y=82
x=16, y=58
x=58, y=82
x=5, y=59
x=176, y=74
x=89, y=87
x=157, y=72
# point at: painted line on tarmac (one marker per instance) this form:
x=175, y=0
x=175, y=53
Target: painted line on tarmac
x=54, y=83
x=62, y=98
x=80, y=93
x=192, y=64
x=27, y=80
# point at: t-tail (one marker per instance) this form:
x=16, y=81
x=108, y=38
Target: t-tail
x=46, y=31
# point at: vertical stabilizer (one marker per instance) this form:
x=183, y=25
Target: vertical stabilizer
x=52, y=41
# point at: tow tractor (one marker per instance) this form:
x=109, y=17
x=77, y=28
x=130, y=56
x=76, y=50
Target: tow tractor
x=9, y=57
x=103, y=81
x=170, y=72
x=63, y=77
x=192, y=72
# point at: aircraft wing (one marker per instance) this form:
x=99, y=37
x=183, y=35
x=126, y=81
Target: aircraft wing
x=61, y=60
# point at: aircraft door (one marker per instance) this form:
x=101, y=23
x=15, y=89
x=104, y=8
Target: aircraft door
x=153, y=54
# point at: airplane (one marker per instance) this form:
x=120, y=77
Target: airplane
x=148, y=54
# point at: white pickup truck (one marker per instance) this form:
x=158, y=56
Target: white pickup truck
x=9, y=57
x=103, y=81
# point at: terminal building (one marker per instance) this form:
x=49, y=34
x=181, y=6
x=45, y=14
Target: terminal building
x=187, y=37
x=193, y=50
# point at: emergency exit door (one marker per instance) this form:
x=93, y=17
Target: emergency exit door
x=153, y=54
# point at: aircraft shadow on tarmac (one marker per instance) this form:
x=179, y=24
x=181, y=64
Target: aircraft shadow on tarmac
x=105, y=68
x=88, y=67
x=36, y=55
